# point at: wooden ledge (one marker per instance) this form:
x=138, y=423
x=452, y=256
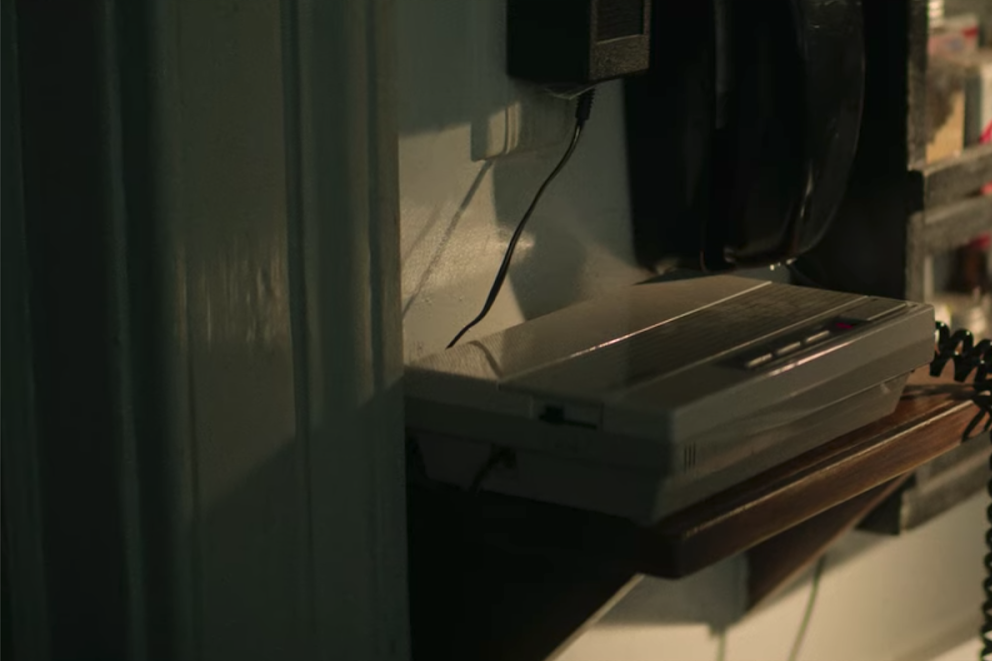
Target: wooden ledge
x=928, y=422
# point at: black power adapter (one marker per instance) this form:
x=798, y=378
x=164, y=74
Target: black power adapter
x=572, y=44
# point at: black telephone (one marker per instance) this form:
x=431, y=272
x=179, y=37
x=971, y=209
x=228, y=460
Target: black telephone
x=742, y=133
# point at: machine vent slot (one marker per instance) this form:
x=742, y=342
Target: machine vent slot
x=689, y=456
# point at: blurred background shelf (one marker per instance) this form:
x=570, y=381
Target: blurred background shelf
x=954, y=178
x=951, y=225
x=900, y=211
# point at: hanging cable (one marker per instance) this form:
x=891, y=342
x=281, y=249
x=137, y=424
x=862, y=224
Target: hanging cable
x=797, y=645
x=582, y=111
x=721, y=645
x=969, y=357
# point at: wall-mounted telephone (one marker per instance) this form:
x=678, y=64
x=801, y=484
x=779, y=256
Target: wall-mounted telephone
x=742, y=133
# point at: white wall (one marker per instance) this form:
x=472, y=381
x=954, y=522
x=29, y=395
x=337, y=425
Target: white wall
x=909, y=598
x=274, y=491
x=457, y=214
x=889, y=602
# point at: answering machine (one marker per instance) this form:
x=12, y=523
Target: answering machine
x=654, y=398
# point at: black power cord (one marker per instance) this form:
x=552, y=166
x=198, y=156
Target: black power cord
x=582, y=111
x=968, y=356
x=498, y=456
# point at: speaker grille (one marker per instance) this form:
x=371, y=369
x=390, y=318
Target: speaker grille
x=619, y=18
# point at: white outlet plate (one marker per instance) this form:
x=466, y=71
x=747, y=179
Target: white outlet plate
x=509, y=116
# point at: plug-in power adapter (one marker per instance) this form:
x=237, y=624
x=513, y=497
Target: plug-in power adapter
x=577, y=43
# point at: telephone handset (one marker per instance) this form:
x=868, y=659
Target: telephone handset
x=742, y=133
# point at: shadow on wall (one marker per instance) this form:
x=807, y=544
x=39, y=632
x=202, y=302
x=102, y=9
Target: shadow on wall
x=714, y=597
x=555, y=265
x=578, y=242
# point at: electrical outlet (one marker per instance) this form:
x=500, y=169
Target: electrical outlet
x=510, y=116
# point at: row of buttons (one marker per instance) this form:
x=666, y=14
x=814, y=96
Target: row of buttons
x=786, y=349
x=862, y=313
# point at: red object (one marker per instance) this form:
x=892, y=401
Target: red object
x=986, y=137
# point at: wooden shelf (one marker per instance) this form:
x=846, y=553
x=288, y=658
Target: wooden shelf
x=934, y=488
x=775, y=563
x=497, y=577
